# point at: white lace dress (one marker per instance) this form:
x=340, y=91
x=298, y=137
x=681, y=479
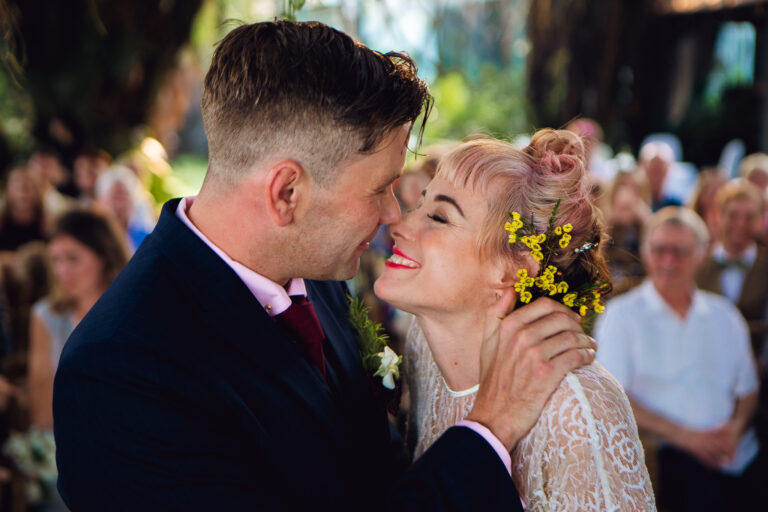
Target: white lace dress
x=582, y=455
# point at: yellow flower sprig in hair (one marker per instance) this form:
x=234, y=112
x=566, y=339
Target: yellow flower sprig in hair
x=549, y=281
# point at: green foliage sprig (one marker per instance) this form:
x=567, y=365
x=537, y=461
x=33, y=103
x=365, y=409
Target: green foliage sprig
x=375, y=354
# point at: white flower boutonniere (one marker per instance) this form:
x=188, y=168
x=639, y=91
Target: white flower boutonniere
x=389, y=367
x=378, y=359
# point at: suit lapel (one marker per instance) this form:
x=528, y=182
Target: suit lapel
x=332, y=310
x=231, y=310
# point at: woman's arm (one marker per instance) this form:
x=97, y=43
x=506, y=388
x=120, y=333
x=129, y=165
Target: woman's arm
x=40, y=375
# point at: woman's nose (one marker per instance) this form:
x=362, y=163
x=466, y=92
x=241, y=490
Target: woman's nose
x=404, y=228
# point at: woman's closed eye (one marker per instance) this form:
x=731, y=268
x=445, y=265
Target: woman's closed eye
x=437, y=218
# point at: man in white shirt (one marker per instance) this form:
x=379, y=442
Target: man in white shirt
x=684, y=358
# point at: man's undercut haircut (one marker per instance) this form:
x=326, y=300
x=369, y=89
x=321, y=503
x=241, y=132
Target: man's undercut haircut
x=304, y=92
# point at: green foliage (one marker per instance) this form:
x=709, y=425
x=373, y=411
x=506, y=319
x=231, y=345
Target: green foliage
x=371, y=339
x=493, y=104
x=290, y=8
x=16, y=115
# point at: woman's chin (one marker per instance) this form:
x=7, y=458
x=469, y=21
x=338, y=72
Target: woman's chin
x=384, y=290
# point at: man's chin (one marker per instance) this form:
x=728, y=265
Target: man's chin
x=341, y=272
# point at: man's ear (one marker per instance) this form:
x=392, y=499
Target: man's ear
x=282, y=191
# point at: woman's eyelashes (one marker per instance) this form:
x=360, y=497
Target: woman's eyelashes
x=437, y=218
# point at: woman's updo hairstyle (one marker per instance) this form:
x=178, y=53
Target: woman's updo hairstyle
x=551, y=168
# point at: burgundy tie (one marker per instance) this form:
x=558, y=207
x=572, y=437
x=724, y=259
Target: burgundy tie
x=301, y=322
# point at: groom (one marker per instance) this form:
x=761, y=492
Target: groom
x=191, y=386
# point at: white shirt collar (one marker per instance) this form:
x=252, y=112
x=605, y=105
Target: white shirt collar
x=273, y=297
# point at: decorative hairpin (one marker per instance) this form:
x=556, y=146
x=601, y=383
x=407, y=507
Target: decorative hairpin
x=587, y=246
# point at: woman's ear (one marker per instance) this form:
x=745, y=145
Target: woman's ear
x=282, y=191
x=506, y=272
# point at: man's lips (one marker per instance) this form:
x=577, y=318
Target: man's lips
x=400, y=260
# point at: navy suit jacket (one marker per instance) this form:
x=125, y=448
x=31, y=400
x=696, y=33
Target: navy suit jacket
x=178, y=392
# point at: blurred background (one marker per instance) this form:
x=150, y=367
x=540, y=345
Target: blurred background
x=100, y=111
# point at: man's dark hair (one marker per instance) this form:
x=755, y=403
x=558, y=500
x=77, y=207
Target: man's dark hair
x=303, y=91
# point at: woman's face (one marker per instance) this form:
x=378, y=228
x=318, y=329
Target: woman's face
x=435, y=266
x=77, y=267
x=21, y=193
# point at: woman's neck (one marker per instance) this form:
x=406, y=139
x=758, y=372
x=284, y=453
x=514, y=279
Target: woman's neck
x=455, y=341
x=84, y=304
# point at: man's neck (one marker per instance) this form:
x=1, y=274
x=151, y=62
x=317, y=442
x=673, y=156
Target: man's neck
x=226, y=223
x=679, y=300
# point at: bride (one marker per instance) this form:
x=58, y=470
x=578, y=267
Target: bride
x=453, y=260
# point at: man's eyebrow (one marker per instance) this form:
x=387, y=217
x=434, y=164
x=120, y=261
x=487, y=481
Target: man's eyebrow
x=449, y=199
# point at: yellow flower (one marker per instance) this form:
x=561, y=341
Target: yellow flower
x=525, y=297
x=528, y=281
x=562, y=287
x=519, y=287
x=541, y=238
x=512, y=238
x=538, y=256
x=558, y=230
x=509, y=227
x=522, y=273
x=569, y=299
x=567, y=228
x=551, y=269
x=517, y=224
x=599, y=309
x=564, y=242
x=535, y=247
x=552, y=289
x=515, y=216
x=582, y=310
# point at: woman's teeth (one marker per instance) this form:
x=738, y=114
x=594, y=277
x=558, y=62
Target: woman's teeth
x=399, y=260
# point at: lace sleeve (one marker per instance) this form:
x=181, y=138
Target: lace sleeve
x=584, y=453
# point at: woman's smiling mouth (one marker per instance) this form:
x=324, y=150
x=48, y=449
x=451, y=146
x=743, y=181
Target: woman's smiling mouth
x=400, y=260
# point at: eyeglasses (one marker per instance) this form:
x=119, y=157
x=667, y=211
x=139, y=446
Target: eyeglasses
x=678, y=251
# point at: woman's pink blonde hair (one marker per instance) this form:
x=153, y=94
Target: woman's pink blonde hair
x=551, y=168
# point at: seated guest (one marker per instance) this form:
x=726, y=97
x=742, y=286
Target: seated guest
x=655, y=160
x=21, y=215
x=704, y=202
x=626, y=212
x=86, y=255
x=88, y=166
x=737, y=259
x=754, y=168
x=683, y=357
x=120, y=193
x=46, y=170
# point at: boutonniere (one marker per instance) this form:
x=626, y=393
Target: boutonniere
x=377, y=357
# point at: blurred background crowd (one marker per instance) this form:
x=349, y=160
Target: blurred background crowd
x=100, y=124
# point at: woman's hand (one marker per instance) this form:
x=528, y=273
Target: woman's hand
x=525, y=355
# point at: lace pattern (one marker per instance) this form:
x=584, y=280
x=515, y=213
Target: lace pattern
x=583, y=454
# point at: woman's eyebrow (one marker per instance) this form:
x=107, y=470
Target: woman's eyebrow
x=449, y=199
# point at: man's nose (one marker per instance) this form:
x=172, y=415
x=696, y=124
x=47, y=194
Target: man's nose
x=390, y=209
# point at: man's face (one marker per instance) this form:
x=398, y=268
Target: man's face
x=672, y=258
x=343, y=218
x=741, y=222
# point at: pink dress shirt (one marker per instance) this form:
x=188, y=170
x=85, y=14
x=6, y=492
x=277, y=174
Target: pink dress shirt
x=275, y=299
